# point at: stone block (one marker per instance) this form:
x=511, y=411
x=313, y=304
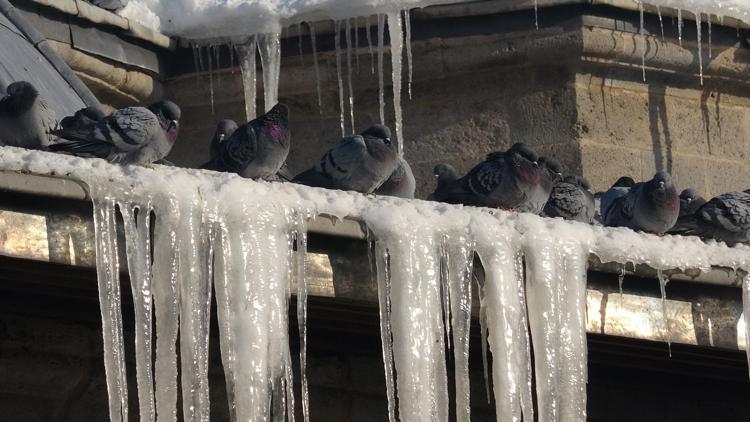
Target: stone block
x=724, y=176
x=603, y=164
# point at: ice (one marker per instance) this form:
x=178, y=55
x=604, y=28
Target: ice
x=423, y=254
x=248, y=69
x=645, y=41
x=746, y=312
x=269, y=46
x=210, y=78
x=738, y=9
x=395, y=31
x=536, y=14
x=381, y=88
x=708, y=21
x=369, y=45
x=337, y=45
x=661, y=22
x=407, y=41
x=700, y=44
x=356, y=42
x=663, y=280
x=679, y=26
x=316, y=66
x=349, y=71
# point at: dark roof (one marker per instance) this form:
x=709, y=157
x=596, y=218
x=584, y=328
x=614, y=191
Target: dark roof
x=26, y=55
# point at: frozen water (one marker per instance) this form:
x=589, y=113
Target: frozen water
x=337, y=46
x=381, y=87
x=349, y=71
x=644, y=40
x=396, y=33
x=699, y=30
x=738, y=9
x=253, y=245
x=269, y=46
x=246, y=54
x=316, y=66
x=407, y=41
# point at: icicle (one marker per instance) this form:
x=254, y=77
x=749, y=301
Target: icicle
x=337, y=44
x=217, y=64
x=663, y=280
x=483, y=334
x=386, y=331
x=700, y=50
x=381, y=91
x=248, y=69
x=661, y=22
x=445, y=261
x=679, y=26
x=356, y=42
x=369, y=45
x=407, y=41
x=395, y=31
x=643, y=38
x=210, y=77
x=459, y=254
x=710, y=51
x=311, y=27
x=505, y=306
x=349, y=72
x=299, y=44
x=300, y=235
x=621, y=279
x=108, y=276
x=536, y=14
x=138, y=246
x=196, y=63
x=269, y=46
x=556, y=291
x=746, y=314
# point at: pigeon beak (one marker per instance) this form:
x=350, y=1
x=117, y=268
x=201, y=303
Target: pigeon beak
x=661, y=185
x=221, y=138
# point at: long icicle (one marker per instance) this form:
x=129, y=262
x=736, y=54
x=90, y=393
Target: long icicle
x=248, y=70
x=356, y=42
x=396, y=33
x=643, y=39
x=311, y=27
x=679, y=26
x=407, y=41
x=270, y=59
x=337, y=44
x=301, y=278
x=700, y=44
x=108, y=276
x=381, y=89
x=746, y=314
x=369, y=45
x=349, y=72
x=386, y=331
x=710, y=48
x=211, y=77
x=663, y=280
x=661, y=22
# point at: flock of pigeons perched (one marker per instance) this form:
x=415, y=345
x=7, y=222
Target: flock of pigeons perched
x=517, y=179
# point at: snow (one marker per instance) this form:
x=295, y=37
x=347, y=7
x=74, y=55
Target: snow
x=254, y=231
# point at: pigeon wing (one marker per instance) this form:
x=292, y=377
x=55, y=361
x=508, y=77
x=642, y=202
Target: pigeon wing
x=237, y=152
x=341, y=161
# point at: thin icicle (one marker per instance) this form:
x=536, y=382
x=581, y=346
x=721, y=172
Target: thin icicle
x=396, y=33
x=210, y=77
x=483, y=334
x=746, y=313
x=661, y=22
x=445, y=261
x=621, y=279
x=299, y=44
x=138, y=245
x=356, y=42
x=369, y=45
x=311, y=27
x=679, y=26
x=407, y=41
x=349, y=72
x=386, y=331
x=196, y=63
x=269, y=46
x=248, y=69
x=301, y=278
x=337, y=44
x=381, y=89
x=108, y=277
x=536, y=14
x=710, y=49
x=700, y=44
x=643, y=38
x=663, y=280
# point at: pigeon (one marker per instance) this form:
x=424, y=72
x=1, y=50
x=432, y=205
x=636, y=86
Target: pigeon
x=358, y=163
x=725, y=218
x=444, y=175
x=607, y=199
x=539, y=194
x=25, y=119
x=284, y=175
x=509, y=180
x=132, y=135
x=83, y=118
x=224, y=129
x=651, y=206
x=690, y=201
x=257, y=149
x=571, y=199
x=401, y=182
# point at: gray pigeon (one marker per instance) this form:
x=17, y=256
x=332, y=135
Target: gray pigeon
x=25, y=119
x=359, y=163
x=608, y=198
x=725, y=218
x=224, y=129
x=571, y=199
x=256, y=149
x=539, y=194
x=83, y=118
x=509, y=180
x=651, y=206
x=690, y=201
x=401, y=183
x=444, y=175
x=132, y=135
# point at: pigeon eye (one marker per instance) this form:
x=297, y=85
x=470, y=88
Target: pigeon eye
x=387, y=141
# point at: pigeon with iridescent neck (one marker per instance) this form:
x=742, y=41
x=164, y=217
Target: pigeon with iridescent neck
x=358, y=163
x=257, y=149
x=651, y=206
x=132, y=135
x=25, y=119
x=401, y=182
x=508, y=180
x=571, y=199
x=725, y=218
x=224, y=129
